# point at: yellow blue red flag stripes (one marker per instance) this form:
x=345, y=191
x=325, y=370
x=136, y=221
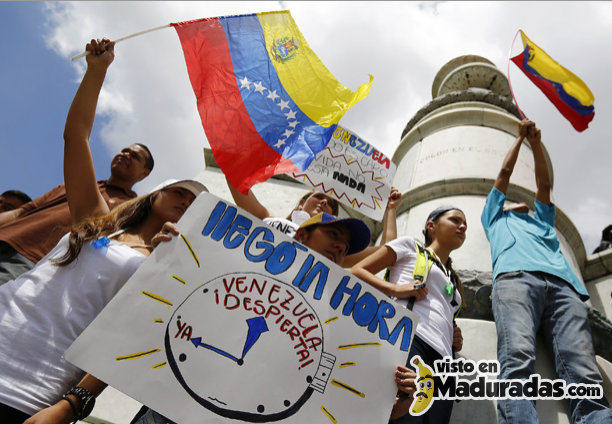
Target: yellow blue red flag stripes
x=565, y=90
x=267, y=103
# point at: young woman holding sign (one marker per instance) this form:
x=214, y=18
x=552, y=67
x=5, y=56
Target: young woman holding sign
x=334, y=238
x=44, y=310
x=311, y=204
x=422, y=277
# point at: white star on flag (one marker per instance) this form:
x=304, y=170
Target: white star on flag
x=287, y=133
x=272, y=95
x=284, y=104
x=290, y=114
x=292, y=124
x=245, y=83
x=279, y=143
x=259, y=88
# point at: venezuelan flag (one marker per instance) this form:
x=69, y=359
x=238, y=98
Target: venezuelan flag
x=565, y=90
x=268, y=104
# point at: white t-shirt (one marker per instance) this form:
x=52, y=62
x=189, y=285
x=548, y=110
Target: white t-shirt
x=435, y=311
x=44, y=310
x=286, y=226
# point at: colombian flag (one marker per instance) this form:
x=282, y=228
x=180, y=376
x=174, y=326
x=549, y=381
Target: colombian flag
x=268, y=105
x=567, y=92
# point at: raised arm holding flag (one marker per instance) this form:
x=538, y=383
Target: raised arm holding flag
x=570, y=95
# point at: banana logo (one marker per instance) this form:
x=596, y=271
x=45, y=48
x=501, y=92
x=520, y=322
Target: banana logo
x=423, y=397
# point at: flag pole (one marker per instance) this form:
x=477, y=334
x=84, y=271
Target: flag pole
x=85, y=53
x=508, y=74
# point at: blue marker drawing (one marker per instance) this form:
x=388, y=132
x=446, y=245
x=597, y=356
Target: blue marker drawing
x=197, y=342
x=256, y=326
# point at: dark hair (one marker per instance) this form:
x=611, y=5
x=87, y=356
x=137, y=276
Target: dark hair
x=308, y=230
x=128, y=215
x=18, y=194
x=455, y=277
x=606, y=234
x=149, y=162
x=434, y=216
x=449, y=262
x=333, y=203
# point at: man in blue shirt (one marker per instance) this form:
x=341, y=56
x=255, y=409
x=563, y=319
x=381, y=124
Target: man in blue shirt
x=535, y=288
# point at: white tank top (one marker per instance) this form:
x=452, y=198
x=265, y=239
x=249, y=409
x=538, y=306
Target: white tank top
x=44, y=310
x=435, y=311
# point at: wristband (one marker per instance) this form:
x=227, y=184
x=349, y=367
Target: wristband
x=86, y=401
x=75, y=414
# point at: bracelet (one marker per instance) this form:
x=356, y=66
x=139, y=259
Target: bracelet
x=85, y=399
x=73, y=407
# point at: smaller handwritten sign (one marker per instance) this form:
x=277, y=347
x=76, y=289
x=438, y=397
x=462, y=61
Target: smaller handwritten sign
x=353, y=172
x=233, y=321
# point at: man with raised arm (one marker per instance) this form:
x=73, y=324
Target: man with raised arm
x=534, y=288
x=30, y=231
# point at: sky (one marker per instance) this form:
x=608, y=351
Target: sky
x=147, y=96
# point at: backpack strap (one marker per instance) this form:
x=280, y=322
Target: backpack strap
x=423, y=265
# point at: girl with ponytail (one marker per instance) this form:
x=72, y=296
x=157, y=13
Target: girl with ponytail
x=45, y=309
x=436, y=302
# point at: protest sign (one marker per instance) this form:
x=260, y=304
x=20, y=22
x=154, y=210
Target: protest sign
x=233, y=321
x=352, y=172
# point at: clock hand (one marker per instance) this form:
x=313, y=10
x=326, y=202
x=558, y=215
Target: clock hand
x=257, y=325
x=197, y=342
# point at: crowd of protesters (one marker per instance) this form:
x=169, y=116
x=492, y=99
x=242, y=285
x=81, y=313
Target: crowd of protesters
x=55, y=279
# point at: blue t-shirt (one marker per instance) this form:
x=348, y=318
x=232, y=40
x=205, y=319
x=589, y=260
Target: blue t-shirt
x=520, y=242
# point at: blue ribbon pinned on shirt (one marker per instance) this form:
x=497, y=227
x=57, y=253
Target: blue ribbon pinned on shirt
x=101, y=244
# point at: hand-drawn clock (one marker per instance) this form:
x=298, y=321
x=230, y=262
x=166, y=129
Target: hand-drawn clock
x=229, y=341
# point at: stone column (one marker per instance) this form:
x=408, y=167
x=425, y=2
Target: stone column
x=450, y=153
x=452, y=150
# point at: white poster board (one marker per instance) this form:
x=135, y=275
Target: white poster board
x=352, y=172
x=233, y=321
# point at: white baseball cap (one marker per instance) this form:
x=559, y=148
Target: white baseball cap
x=193, y=186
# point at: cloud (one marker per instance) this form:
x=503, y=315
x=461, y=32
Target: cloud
x=147, y=96
x=430, y=6
x=592, y=216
